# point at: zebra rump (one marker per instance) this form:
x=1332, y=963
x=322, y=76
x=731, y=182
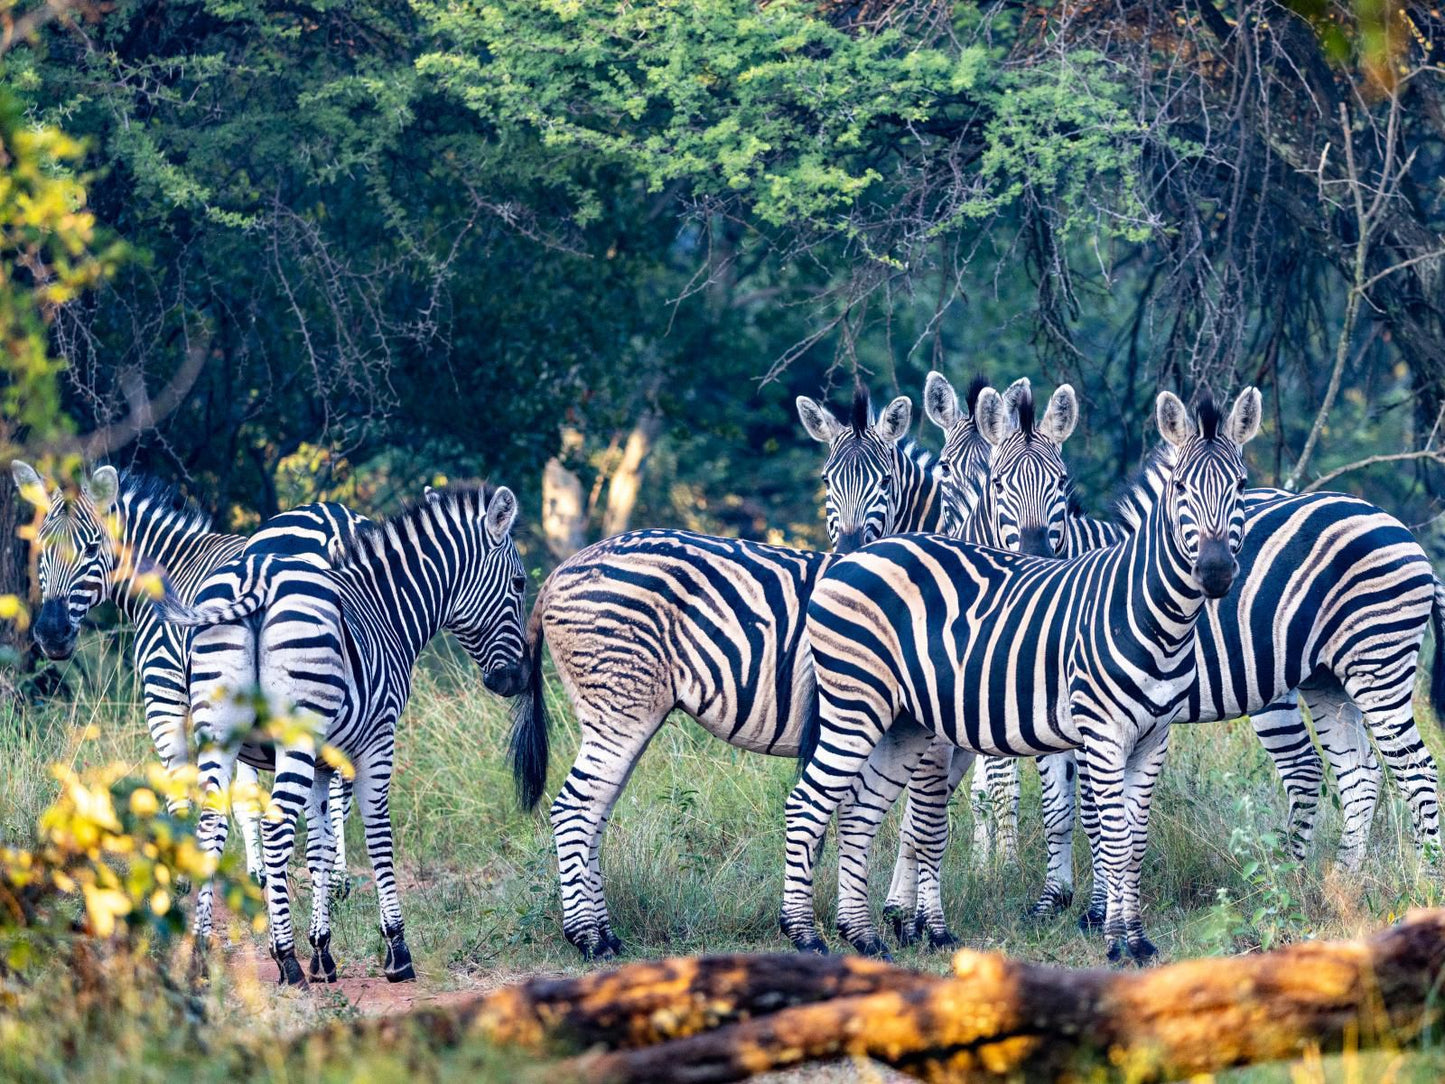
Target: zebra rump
x=174, y=610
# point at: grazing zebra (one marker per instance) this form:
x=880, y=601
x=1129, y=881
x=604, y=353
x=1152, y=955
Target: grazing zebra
x=1012, y=655
x=653, y=621
x=338, y=644
x=95, y=545
x=1306, y=563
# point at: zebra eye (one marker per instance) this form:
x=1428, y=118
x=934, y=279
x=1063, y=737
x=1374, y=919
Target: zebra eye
x=1181, y=487
x=945, y=468
x=92, y=548
x=886, y=482
x=1242, y=483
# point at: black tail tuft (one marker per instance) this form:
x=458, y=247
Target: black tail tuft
x=528, y=749
x=1437, y=667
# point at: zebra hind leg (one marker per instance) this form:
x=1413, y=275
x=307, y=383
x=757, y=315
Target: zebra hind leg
x=1281, y=730
x=1091, y=918
x=320, y=845
x=579, y=814
x=1346, y=743
x=246, y=808
x=338, y=805
x=291, y=791
x=373, y=789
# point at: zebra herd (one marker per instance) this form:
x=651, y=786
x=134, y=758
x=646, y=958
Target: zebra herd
x=969, y=609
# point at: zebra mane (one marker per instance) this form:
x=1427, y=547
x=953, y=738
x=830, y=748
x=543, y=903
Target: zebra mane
x=1139, y=494
x=1208, y=417
x=371, y=536
x=975, y=389
x=1025, y=406
x=143, y=493
x=862, y=416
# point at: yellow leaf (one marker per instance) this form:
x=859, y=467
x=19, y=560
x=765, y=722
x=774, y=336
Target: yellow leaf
x=160, y=901
x=144, y=803
x=338, y=761
x=103, y=906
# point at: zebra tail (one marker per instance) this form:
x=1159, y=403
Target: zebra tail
x=175, y=611
x=1437, y=668
x=529, y=743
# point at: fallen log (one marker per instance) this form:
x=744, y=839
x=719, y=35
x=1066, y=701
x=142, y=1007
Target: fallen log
x=999, y=1019
x=727, y=1017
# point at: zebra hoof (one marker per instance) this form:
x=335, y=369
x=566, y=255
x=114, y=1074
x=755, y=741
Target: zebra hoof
x=183, y=886
x=290, y=968
x=1091, y=920
x=902, y=924
x=811, y=943
x=612, y=941
x=870, y=945
x=942, y=939
x=1054, y=901
x=322, y=967
x=598, y=950
x=398, y=966
x=1142, y=950
x=198, y=971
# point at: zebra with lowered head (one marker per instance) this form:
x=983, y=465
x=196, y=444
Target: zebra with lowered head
x=93, y=547
x=1012, y=655
x=338, y=644
x=653, y=621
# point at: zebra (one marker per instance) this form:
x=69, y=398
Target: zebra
x=95, y=545
x=1300, y=550
x=653, y=621
x=338, y=644
x=1013, y=655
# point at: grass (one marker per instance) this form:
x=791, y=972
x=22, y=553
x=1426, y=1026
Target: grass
x=693, y=865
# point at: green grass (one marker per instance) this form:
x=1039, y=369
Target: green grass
x=693, y=861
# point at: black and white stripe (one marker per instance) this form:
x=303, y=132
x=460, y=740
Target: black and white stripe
x=1011, y=655
x=338, y=644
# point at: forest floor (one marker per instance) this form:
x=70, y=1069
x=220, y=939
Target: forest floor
x=693, y=863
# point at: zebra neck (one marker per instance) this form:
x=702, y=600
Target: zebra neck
x=407, y=595
x=152, y=540
x=981, y=526
x=1162, y=595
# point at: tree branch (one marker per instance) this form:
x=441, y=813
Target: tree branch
x=1373, y=460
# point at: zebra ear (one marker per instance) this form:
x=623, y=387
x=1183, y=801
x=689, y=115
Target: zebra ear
x=993, y=417
x=102, y=488
x=818, y=420
x=501, y=514
x=1174, y=425
x=893, y=423
x=1244, y=419
x=1011, y=396
x=940, y=402
x=1062, y=415
x=32, y=487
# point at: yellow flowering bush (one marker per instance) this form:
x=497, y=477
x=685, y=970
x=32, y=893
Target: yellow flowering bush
x=106, y=860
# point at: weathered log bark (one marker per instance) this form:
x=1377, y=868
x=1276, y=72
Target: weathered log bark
x=729, y=1017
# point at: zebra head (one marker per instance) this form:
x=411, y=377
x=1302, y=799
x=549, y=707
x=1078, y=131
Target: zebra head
x=486, y=611
x=77, y=554
x=862, y=467
x=1204, y=500
x=1026, y=500
x=963, y=463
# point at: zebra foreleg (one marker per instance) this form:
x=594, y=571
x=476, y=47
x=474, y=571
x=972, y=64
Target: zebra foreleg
x=1091, y=919
x=320, y=859
x=1056, y=780
x=929, y=790
x=373, y=789
x=932, y=838
x=295, y=776
x=885, y=773
x=1358, y=775
x=1124, y=926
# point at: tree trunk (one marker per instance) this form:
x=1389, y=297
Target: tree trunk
x=564, y=511
x=15, y=647
x=729, y=1017
x=627, y=478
